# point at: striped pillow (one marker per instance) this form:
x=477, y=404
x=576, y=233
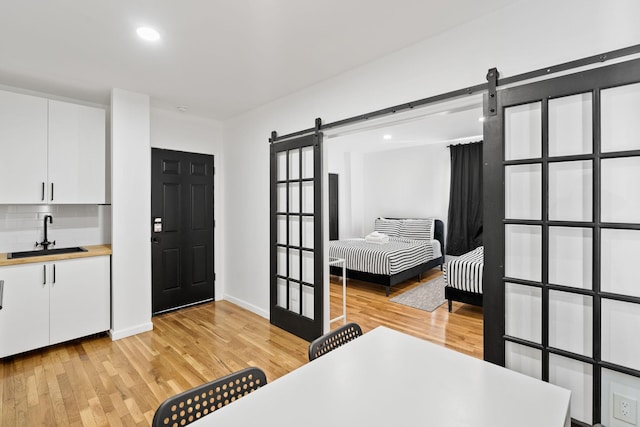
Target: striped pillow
x=390, y=227
x=417, y=229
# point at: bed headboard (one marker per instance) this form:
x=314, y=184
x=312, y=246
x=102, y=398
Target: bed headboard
x=438, y=232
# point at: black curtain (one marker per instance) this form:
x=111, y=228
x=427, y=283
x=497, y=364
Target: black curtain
x=464, y=228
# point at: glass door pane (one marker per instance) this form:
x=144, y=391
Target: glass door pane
x=523, y=312
x=523, y=191
x=620, y=124
x=571, y=257
x=523, y=132
x=620, y=343
x=571, y=191
x=523, y=359
x=577, y=377
x=571, y=125
x=571, y=322
x=620, y=201
x=523, y=252
x=620, y=249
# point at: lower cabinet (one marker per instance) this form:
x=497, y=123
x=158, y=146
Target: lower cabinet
x=48, y=303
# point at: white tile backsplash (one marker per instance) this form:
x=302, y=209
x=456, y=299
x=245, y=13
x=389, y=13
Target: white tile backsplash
x=21, y=226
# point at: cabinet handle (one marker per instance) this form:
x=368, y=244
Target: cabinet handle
x=44, y=271
x=54, y=274
x=43, y=191
x=52, y=191
x=1, y=292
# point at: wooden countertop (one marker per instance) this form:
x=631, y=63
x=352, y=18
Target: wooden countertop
x=96, y=250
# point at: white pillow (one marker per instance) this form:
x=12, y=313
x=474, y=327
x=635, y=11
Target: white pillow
x=417, y=229
x=390, y=227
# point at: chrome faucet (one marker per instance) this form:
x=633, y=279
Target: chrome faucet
x=46, y=243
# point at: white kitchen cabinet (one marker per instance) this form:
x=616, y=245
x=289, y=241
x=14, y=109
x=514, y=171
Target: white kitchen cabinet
x=53, y=302
x=76, y=154
x=23, y=148
x=80, y=293
x=51, y=151
x=24, y=317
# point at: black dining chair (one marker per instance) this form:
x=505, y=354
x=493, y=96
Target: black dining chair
x=334, y=339
x=193, y=404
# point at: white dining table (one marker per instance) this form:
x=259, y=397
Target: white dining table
x=388, y=378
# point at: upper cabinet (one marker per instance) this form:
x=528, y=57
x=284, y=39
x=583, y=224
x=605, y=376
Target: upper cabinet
x=76, y=154
x=51, y=151
x=23, y=148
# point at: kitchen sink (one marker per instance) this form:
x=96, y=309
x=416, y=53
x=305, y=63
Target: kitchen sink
x=43, y=252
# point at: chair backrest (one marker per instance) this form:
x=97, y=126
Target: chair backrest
x=334, y=339
x=188, y=406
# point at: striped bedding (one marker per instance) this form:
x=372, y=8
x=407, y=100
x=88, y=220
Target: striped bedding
x=388, y=258
x=465, y=272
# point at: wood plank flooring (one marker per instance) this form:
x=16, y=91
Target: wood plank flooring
x=96, y=381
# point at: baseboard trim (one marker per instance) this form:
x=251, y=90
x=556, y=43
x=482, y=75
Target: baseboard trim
x=252, y=308
x=127, y=332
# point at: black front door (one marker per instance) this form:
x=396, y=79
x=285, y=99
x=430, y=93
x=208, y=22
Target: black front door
x=181, y=229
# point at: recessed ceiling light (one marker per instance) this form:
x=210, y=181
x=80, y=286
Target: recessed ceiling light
x=148, y=34
x=387, y=136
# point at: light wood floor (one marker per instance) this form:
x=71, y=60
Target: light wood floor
x=95, y=381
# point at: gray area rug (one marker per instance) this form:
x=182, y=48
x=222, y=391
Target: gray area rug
x=427, y=296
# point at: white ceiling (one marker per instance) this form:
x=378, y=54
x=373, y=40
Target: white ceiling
x=452, y=122
x=218, y=57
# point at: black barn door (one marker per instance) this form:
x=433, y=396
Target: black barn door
x=296, y=236
x=181, y=229
x=562, y=236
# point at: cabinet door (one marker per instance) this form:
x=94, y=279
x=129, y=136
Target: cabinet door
x=77, y=135
x=23, y=148
x=80, y=298
x=24, y=317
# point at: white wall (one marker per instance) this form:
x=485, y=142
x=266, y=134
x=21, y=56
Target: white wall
x=410, y=182
x=527, y=35
x=182, y=132
x=73, y=225
x=406, y=183
x=131, y=214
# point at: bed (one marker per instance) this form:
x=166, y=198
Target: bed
x=463, y=278
x=414, y=247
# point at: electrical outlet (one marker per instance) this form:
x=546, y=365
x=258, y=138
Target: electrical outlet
x=625, y=409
